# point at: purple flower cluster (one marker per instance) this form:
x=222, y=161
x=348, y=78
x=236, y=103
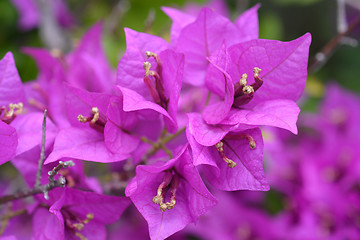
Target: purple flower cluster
x=178, y=117
x=317, y=173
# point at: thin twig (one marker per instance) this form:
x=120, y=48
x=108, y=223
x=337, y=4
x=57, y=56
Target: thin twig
x=31, y=192
x=6, y=217
x=42, y=154
x=160, y=144
x=322, y=56
x=171, y=137
x=42, y=188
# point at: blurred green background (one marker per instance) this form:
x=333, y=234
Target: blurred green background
x=279, y=19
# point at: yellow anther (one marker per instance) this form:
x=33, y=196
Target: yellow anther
x=89, y=217
x=248, y=89
x=157, y=199
x=220, y=146
x=81, y=118
x=243, y=80
x=147, y=66
x=230, y=162
x=163, y=207
x=78, y=226
x=12, y=106
x=96, y=113
x=19, y=108
x=150, y=54
x=79, y=235
x=256, y=71
x=171, y=204
x=252, y=144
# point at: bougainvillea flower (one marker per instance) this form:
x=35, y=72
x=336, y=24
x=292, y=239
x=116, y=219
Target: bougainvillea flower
x=232, y=219
x=86, y=138
x=88, y=67
x=339, y=111
x=12, y=96
x=219, y=6
x=47, y=91
x=11, y=89
x=30, y=13
x=177, y=188
x=27, y=164
x=279, y=80
x=204, y=36
x=232, y=156
x=158, y=88
x=247, y=22
x=77, y=214
x=130, y=71
x=29, y=131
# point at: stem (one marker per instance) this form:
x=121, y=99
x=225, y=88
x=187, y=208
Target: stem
x=31, y=192
x=42, y=154
x=171, y=137
x=40, y=188
x=8, y=216
x=322, y=56
x=160, y=144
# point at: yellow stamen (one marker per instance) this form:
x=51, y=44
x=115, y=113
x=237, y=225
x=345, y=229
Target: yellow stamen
x=81, y=118
x=171, y=204
x=230, y=162
x=243, y=80
x=248, y=89
x=150, y=54
x=147, y=66
x=256, y=71
x=78, y=226
x=96, y=113
x=220, y=148
x=12, y=106
x=89, y=217
x=79, y=235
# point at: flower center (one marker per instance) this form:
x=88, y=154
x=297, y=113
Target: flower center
x=8, y=114
x=243, y=92
x=154, y=82
x=220, y=146
x=170, y=181
x=96, y=120
x=76, y=224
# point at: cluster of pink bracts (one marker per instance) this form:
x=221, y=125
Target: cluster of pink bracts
x=179, y=118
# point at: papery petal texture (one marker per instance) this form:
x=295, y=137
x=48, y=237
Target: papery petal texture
x=8, y=142
x=130, y=72
x=90, y=69
x=202, y=38
x=283, y=64
x=82, y=143
x=248, y=174
x=248, y=24
x=29, y=131
x=192, y=197
x=205, y=134
x=117, y=128
x=276, y=113
x=47, y=226
x=11, y=89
